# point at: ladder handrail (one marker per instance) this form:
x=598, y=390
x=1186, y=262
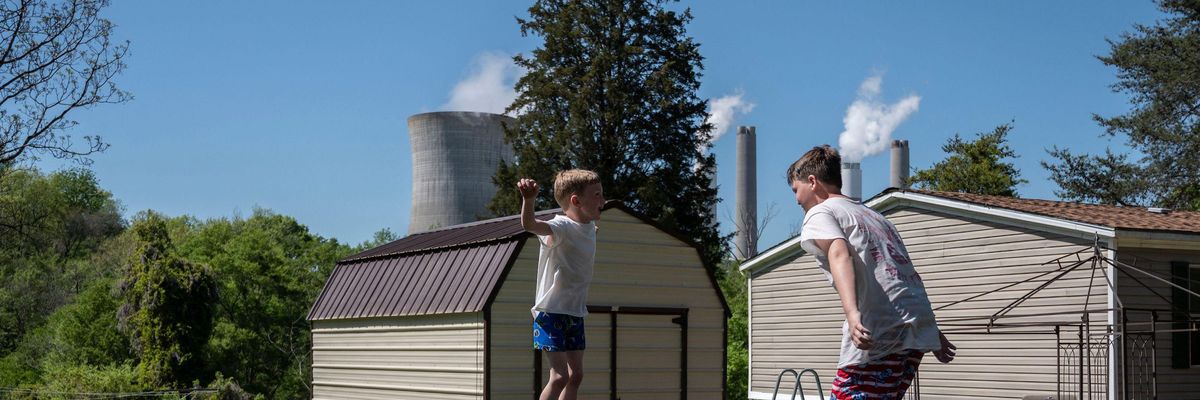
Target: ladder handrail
x=820, y=390
x=775, y=394
x=797, y=387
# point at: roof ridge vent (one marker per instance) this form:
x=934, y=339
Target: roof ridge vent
x=1158, y=210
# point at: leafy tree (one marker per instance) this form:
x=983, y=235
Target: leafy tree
x=85, y=332
x=172, y=330
x=55, y=58
x=22, y=366
x=269, y=269
x=79, y=338
x=50, y=225
x=381, y=237
x=65, y=212
x=613, y=89
x=29, y=292
x=1157, y=67
x=976, y=166
x=167, y=308
x=733, y=287
x=1108, y=179
x=80, y=333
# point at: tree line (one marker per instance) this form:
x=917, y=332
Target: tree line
x=91, y=302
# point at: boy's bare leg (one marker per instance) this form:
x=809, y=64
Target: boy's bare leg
x=574, y=375
x=558, y=375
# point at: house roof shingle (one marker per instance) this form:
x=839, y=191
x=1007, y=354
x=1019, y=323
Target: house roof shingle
x=1113, y=217
x=1116, y=217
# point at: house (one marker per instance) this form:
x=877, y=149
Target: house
x=1044, y=299
x=445, y=314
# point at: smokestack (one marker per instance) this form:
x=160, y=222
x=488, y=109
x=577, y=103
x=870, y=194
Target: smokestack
x=852, y=180
x=746, y=214
x=712, y=208
x=899, y=164
x=454, y=155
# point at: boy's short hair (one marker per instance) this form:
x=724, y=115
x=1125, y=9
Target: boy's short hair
x=822, y=162
x=572, y=182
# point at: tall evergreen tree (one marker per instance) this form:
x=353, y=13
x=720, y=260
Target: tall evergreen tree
x=613, y=88
x=976, y=166
x=1158, y=67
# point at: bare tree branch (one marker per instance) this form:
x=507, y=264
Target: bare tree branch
x=57, y=59
x=757, y=223
x=767, y=217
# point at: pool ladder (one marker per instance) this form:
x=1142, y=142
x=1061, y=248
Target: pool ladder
x=798, y=388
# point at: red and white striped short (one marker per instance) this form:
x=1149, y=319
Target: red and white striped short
x=886, y=378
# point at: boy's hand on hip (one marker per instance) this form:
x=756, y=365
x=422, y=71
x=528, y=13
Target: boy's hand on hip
x=528, y=188
x=946, y=353
x=859, y=334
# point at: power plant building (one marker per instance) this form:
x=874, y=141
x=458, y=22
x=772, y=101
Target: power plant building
x=454, y=155
x=899, y=176
x=746, y=216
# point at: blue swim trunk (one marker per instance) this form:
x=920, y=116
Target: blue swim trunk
x=558, y=332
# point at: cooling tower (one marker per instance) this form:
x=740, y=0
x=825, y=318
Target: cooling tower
x=899, y=176
x=454, y=155
x=852, y=180
x=746, y=214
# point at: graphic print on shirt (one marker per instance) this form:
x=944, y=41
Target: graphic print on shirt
x=885, y=248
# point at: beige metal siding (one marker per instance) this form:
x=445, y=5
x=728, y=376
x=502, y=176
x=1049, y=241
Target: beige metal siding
x=1172, y=383
x=636, y=266
x=796, y=316
x=512, y=332
x=416, y=357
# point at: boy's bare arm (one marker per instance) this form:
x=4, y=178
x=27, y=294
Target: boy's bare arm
x=529, y=190
x=842, y=269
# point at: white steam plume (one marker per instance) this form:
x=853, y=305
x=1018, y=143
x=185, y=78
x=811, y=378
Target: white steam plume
x=489, y=87
x=723, y=112
x=869, y=122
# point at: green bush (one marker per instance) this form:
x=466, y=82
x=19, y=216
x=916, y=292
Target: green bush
x=62, y=378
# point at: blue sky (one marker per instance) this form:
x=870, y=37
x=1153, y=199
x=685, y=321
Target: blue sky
x=300, y=107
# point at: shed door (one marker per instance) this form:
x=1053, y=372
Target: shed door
x=650, y=354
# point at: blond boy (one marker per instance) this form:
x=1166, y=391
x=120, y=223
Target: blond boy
x=568, y=251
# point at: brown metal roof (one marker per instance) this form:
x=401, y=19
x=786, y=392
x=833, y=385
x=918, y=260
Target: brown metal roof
x=449, y=270
x=497, y=229
x=1117, y=217
x=450, y=280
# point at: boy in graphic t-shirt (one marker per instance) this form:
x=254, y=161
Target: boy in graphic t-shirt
x=889, y=321
x=568, y=250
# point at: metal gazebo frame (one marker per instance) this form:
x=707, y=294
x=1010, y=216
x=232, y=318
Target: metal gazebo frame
x=1083, y=359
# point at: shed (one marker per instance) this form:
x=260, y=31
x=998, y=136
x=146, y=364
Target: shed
x=444, y=314
x=1045, y=299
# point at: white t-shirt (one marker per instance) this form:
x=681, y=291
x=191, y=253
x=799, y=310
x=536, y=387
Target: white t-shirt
x=891, y=296
x=565, y=267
